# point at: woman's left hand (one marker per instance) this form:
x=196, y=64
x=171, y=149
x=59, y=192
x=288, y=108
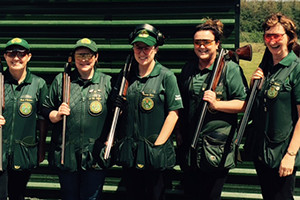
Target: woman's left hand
x=287, y=165
x=211, y=98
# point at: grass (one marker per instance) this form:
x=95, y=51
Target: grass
x=250, y=66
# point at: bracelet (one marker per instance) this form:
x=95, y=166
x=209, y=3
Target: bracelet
x=291, y=153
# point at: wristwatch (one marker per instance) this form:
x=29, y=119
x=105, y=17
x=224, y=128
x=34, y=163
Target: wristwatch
x=291, y=153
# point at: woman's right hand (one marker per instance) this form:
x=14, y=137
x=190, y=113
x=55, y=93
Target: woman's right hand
x=57, y=115
x=2, y=121
x=258, y=74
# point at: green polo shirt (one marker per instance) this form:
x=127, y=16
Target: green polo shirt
x=85, y=124
x=149, y=101
x=23, y=104
x=193, y=83
x=275, y=114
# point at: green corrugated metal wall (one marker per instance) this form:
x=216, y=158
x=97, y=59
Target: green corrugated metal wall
x=53, y=26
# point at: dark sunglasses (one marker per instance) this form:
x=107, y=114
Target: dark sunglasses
x=19, y=53
x=83, y=56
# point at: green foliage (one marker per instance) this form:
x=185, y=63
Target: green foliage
x=253, y=14
x=254, y=36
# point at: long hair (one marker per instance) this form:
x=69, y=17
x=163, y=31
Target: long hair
x=288, y=25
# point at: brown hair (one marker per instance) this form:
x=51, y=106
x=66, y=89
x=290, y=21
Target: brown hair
x=216, y=26
x=288, y=25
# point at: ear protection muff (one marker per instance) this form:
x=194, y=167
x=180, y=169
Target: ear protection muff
x=160, y=38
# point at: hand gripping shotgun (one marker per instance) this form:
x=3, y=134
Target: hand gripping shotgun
x=244, y=53
x=122, y=92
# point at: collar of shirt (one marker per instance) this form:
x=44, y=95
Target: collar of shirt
x=10, y=79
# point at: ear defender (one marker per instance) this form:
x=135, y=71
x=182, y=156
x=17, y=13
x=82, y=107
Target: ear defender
x=160, y=38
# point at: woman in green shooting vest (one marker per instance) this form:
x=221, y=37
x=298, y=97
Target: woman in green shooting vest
x=23, y=148
x=153, y=100
x=206, y=167
x=276, y=135
x=80, y=176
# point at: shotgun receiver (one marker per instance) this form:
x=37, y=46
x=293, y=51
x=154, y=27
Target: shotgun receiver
x=2, y=96
x=244, y=53
x=122, y=92
x=66, y=99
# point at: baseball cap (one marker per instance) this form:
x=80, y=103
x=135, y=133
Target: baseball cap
x=18, y=41
x=145, y=37
x=86, y=42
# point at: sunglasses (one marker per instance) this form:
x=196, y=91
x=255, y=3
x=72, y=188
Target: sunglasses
x=275, y=37
x=19, y=53
x=84, y=56
x=206, y=43
x=146, y=49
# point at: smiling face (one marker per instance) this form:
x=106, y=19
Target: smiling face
x=144, y=54
x=85, y=61
x=277, y=42
x=17, y=59
x=205, y=46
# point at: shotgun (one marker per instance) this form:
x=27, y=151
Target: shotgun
x=2, y=96
x=254, y=90
x=122, y=92
x=66, y=99
x=205, y=103
x=244, y=53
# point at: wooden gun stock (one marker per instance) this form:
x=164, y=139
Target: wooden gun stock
x=2, y=96
x=244, y=53
x=122, y=92
x=66, y=99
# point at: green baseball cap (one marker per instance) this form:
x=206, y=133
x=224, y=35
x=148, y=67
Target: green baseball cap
x=86, y=42
x=145, y=37
x=18, y=41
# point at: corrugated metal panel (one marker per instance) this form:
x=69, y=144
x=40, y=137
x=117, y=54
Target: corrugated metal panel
x=53, y=26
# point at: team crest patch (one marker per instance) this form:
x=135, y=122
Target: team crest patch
x=144, y=34
x=86, y=41
x=147, y=103
x=140, y=166
x=25, y=109
x=16, y=40
x=273, y=91
x=17, y=167
x=95, y=107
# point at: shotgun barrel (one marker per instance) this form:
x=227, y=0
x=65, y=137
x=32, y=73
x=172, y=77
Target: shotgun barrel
x=122, y=92
x=2, y=96
x=205, y=103
x=66, y=99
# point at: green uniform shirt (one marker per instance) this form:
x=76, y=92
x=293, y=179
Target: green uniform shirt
x=150, y=99
x=193, y=86
x=23, y=104
x=275, y=112
x=85, y=124
x=217, y=126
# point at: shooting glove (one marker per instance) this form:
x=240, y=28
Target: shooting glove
x=120, y=102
